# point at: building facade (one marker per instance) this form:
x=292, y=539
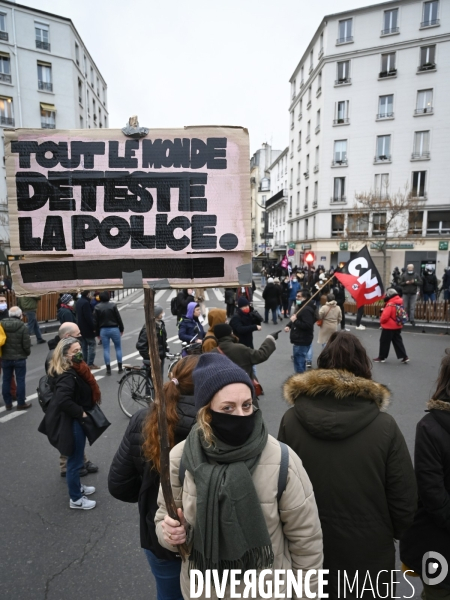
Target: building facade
x=369, y=114
x=277, y=204
x=48, y=80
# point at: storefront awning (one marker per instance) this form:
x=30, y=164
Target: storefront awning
x=49, y=107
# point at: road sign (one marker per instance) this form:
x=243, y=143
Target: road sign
x=291, y=252
x=443, y=245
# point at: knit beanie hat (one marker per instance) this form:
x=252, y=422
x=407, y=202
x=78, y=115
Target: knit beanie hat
x=66, y=298
x=158, y=310
x=213, y=372
x=243, y=302
x=222, y=330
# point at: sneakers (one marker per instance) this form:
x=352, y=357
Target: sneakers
x=378, y=359
x=405, y=360
x=308, y=364
x=90, y=467
x=83, y=503
x=360, y=327
x=87, y=490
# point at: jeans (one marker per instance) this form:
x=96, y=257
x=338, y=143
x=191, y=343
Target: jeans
x=75, y=461
x=19, y=367
x=167, y=576
x=107, y=334
x=409, y=304
x=274, y=315
x=300, y=353
x=394, y=336
x=309, y=356
x=430, y=297
x=32, y=324
x=88, y=346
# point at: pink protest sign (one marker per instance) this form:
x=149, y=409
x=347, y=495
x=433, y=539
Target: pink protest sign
x=85, y=206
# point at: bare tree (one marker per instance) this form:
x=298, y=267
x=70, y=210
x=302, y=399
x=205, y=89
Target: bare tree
x=383, y=218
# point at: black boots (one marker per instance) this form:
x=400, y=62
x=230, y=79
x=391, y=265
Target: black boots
x=108, y=369
x=120, y=370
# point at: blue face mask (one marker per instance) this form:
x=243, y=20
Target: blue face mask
x=298, y=302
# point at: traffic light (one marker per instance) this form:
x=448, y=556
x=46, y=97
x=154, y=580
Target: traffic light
x=310, y=258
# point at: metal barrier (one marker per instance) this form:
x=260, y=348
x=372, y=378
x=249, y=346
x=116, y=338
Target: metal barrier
x=436, y=312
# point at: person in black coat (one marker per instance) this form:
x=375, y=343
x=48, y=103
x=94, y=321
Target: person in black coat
x=161, y=336
x=244, y=323
x=272, y=300
x=85, y=322
x=339, y=294
x=431, y=528
x=285, y=291
x=183, y=299
x=134, y=473
x=301, y=328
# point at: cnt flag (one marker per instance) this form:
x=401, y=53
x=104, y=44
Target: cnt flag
x=361, y=278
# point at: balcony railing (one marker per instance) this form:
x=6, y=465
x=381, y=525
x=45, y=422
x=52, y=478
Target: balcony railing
x=340, y=162
x=338, y=199
x=302, y=83
x=7, y=121
x=316, y=168
x=292, y=125
x=300, y=116
x=298, y=180
x=297, y=211
x=424, y=111
x=311, y=68
x=317, y=129
x=344, y=121
x=343, y=81
x=309, y=104
x=345, y=40
x=5, y=77
x=384, y=74
x=80, y=99
x=315, y=204
x=390, y=30
x=319, y=91
x=305, y=208
x=48, y=124
x=306, y=174
x=385, y=115
x=299, y=147
x=426, y=67
x=291, y=155
x=430, y=23
x=45, y=86
x=320, y=53
x=420, y=155
x=4, y=36
x=291, y=186
x=382, y=158
x=43, y=45
x=308, y=138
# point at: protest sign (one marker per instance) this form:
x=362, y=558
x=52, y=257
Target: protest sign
x=87, y=205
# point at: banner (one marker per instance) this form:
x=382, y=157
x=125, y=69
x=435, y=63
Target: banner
x=86, y=206
x=361, y=278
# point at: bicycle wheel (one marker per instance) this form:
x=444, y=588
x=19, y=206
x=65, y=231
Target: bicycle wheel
x=135, y=392
x=172, y=364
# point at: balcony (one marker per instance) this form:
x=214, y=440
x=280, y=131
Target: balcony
x=298, y=181
x=341, y=162
x=297, y=211
x=344, y=40
x=431, y=23
x=426, y=67
x=386, y=74
x=344, y=121
x=306, y=174
x=5, y=77
x=48, y=124
x=308, y=139
x=423, y=111
x=305, y=208
x=320, y=53
x=299, y=147
x=319, y=91
x=424, y=155
x=302, y=83
x=300, y=116
x=382, y=158
x=290, y=214
x=8, y=121
x=338, y=200
x=390, y=31
x=315, y=204
x=292, y=125
x=291, y=186
x=308, y=106
x=45, y=86
x=383, y=116
x=343, y=81
x=43, y=45
x=317, y=129
x=4, y=36
x=316, y=168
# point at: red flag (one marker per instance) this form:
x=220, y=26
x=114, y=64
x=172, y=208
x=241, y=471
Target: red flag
x=284, y=263
x=361, y=278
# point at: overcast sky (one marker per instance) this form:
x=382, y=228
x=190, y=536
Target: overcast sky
x=199, y=62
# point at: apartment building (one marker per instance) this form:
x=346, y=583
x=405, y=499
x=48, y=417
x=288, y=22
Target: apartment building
x=277, y=204
x=369, y=112
x=48, y=80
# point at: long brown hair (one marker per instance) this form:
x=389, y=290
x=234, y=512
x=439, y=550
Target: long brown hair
x=182, y=372
x=443, y=381
x=345, y=351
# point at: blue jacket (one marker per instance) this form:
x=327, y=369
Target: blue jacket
x=294, y=289
x=188, y=328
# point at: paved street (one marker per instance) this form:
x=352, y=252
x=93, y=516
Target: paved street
x=50, y=552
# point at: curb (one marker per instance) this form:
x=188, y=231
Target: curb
x=420, y=327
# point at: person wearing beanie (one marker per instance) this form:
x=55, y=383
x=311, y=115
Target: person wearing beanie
x=230, y=301
x=109, y=326
x=392, y=325
x=227, y=501
x=65, y=313
x=243, y=356
x=161, y=335
x=189, y=327
x=245, y=322
x=431, y=527
x=216, y=316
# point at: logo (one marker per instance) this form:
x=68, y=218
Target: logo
x=434, y=568
x=355, y=286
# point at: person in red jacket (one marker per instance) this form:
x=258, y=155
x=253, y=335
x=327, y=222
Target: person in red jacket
x=391, y=329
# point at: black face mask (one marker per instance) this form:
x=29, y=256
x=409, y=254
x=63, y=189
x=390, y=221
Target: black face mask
x=232, y=429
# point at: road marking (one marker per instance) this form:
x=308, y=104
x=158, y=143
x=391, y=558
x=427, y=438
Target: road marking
x=206, y=296
x=219, y=294
x=12, y=416
x=175, y=337
x=171, y=295
x=257, y=293
x=138, y=299
x=178, y=342
x=159, y=294
x=98, y=378
x=3, y=408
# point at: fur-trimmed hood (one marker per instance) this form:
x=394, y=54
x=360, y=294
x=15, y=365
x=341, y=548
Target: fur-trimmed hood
x=440, y=410
x=335, y=404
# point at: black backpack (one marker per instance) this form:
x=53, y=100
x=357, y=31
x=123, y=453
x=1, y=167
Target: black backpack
x=174, y=306
x=44, y=392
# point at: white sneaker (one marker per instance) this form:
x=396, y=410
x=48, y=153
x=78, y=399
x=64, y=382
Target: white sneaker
x=360, y=327
x=87, y=490
x=83, y=503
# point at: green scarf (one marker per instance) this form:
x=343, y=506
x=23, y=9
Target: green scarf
x=230, y=531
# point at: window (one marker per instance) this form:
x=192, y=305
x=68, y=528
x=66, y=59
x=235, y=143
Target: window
x=92, y=77
x=292, y=177
x=298, y=230
x=298, y=203
x=382, y=185
x=42, y=37
x=293, y=88
x=45, y=77
x=98, y=87
x=309, y=97
x=388, y=64
x=302, y=75
x=318, y=121
x=100, y=124
x=85, y=66
x=87, y=97
x=316, y=192
x=430, y=13
x=418, y=184
x=104, y=97
x=343, y=72
x=386, y=107
x=427, y=58
x=337, y=225
x=48, y=116
x=317, y=156
x=311, y=60
x=339, y=189
x=5, y=68
x=307, y=166
x=106, y=121
x=319, y=83
x=345, y=31
x=306, y=195
x=3, y=32
x=383, y=148
x=340, y=152
x=341, y=112
x=292, y=148
x=358, y=224
x=306, y=228
x=421, y=144
x=438, y=222
x=299, y=170
x=379, y=223
x=299, y=140
x=308, y=131
x=80, y=91
x=77, y=53
x=81, y=122
x=390, y=21
x=424, y=102
x=6, y=111
x=415, y=222
x=292, y=119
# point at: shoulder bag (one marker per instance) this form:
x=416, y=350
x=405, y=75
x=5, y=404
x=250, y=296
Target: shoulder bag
x=95, y=424
x=319, y=322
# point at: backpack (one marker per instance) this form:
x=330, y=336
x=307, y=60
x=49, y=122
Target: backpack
x=282, y=475
x=401, y=316
x=44, y=392
x=174, y=306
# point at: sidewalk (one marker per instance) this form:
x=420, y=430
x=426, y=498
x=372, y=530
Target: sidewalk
x=420, y=326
